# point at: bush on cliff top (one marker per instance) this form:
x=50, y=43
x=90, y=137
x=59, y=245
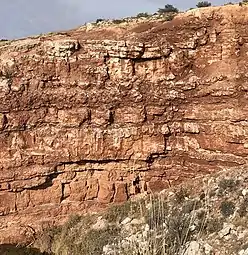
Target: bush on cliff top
x=203, y=4
x=168, y=8
x=142, y=15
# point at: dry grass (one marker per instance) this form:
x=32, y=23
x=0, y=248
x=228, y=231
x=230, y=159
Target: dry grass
x=166, y=230
x=160, y=224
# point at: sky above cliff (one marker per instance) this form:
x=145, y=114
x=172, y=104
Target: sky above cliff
x=20, y=18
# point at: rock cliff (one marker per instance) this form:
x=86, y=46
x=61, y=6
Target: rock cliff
x=98, y=114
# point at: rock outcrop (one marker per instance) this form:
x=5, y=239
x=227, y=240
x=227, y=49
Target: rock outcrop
x=99, y=114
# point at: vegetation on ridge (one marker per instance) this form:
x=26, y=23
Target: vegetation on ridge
x=203, y=4
x=168, y=8
x=168, y=12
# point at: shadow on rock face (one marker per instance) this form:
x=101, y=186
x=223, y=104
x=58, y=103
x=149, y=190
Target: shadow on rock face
x=11, y=249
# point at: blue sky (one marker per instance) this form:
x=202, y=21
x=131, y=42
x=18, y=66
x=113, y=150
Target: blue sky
x=20, y=18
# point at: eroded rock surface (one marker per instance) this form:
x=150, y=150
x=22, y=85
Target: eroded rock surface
x=95, y=116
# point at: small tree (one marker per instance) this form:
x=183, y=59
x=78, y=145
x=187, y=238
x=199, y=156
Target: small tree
x=100, y=20
x=142, y=15
x=203, y=4
x=168, y=8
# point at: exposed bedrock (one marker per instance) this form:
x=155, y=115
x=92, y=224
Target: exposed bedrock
x=95, y=116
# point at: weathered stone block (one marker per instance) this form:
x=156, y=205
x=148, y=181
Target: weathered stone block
x=73, y=117
x=120, y=193
x=106, y=191
x=92, y=189
x=27, y=184
x=46, y=195
x=158, y=185
x=100, y=116
x=22, y=200
x=190, y=127
x=78, y=190
x=7, y=202
x=130, y=115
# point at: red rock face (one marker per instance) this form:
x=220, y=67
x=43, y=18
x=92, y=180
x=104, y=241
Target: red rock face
x=96, y=116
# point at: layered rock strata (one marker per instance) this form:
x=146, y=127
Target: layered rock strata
x=97, y=115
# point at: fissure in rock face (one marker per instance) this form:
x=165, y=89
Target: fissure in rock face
x=95, y=116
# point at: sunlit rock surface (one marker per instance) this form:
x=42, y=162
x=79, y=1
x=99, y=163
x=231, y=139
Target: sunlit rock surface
x=95, y=116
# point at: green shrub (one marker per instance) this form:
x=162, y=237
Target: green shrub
x=142, y=15
x=228, y=185
x=78, y=238
x=170, y=16
x=213, y=225
x=117, y=213
x=118, y=21
x=227, y=208
x=178, y=231
x=170, y=223
x=242, y=211
x=203, y=4
x=168, y=8
x=99, y=20
x=93, y=242
x=180, y=195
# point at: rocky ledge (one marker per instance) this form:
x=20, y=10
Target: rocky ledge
x=90, y=117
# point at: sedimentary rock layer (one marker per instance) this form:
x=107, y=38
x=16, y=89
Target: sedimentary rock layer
x=99, y=114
